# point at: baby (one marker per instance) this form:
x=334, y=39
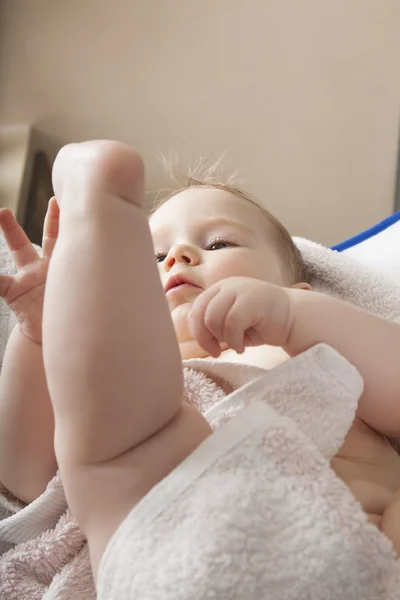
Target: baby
x=226, y=282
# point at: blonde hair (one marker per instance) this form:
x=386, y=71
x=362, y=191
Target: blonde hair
x=203, y=176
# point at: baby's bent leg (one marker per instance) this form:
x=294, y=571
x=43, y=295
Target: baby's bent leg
x=111, y=356
x=107, y=328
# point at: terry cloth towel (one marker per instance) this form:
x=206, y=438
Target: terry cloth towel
x=253, y=523
x=256, y=512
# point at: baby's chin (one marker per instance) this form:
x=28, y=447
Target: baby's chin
x=179, y=317
x=188, y=347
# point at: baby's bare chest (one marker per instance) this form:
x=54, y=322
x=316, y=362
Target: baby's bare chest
x=370, y=467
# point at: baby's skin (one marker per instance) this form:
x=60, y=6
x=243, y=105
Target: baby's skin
x=114, y=334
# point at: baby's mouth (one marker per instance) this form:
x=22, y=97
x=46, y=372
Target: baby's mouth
x=178, y=283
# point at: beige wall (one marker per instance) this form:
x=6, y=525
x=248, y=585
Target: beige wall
x=303, y=94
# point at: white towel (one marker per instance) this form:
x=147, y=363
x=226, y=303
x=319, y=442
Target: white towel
x=341, y=276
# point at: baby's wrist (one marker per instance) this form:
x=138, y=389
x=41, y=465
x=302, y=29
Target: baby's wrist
x=295, y=298
x=27, y=337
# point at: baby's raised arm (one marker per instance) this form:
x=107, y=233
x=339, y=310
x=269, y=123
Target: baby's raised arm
x=250, y=312
x=369, y=342
x=27, y=459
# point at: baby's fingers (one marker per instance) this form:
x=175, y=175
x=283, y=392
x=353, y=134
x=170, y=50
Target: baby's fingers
x=221, y=320
x=50, y=228
x=17, y=241
x=197, y=326
x=237, y=321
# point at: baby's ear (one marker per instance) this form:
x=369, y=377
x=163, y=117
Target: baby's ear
x=302, y=285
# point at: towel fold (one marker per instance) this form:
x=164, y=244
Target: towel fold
x=330, y=391
x=53, y=565
x=256, y=513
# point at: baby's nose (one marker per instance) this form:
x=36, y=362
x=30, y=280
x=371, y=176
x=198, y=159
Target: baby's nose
x=173, y=259
x=181, y=254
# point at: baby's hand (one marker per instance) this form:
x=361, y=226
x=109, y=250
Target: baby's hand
x=24, y=291
x=240, y=312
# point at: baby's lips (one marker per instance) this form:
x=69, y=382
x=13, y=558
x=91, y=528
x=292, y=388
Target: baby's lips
x=178, y=280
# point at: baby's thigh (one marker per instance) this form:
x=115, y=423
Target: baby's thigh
x=390, y=523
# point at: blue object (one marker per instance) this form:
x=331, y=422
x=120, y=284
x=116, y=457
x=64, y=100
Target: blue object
x=368, y=233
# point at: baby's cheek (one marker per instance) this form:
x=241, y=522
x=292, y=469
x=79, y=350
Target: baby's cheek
x=235, y=265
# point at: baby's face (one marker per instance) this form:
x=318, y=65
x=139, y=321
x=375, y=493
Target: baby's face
x=201, y=236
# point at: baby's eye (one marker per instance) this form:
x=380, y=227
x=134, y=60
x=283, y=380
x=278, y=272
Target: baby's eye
x=160, y=257
x=219, y=244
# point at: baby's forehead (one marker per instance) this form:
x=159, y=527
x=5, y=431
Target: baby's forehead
x=200, y=203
